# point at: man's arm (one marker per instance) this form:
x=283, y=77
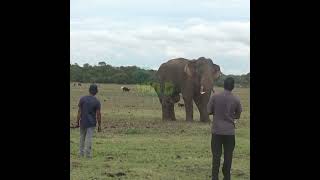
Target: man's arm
x=98, y=114
x=99, y=119
x=238, y=110
x=79, y=113
x=78, y=117
x=210, y=106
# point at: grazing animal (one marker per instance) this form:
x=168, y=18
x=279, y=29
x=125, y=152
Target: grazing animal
x=125, y=89
x=79, y=84
x=180, y=104
x=74, y=84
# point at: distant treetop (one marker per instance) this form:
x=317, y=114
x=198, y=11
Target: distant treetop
x=105, y=73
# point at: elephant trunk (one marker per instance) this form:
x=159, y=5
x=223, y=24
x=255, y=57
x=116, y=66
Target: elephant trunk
x=206, y=86
x=206, y=82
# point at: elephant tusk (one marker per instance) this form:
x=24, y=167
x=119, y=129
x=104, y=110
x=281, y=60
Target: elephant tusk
x=201, y=90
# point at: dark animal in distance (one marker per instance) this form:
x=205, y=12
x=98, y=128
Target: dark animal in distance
x=125, y=89
x=180, y=104
x=79, y=84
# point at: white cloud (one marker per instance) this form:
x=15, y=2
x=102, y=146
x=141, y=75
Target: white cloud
x=146, y=33
x=149, y=44
x=172, y=52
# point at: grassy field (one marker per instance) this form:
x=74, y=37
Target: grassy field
x=136, y=144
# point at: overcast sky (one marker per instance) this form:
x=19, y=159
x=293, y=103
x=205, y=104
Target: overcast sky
x=147, y=33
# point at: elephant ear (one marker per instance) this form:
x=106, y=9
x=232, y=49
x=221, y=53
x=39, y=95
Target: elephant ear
x=190, y=68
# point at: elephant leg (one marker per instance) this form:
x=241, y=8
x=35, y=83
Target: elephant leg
x=189, y=108
x=165, y=112
x=175, y=99
x=168, y=111
x=187, y=94
x=202, y=107
x=171, y=112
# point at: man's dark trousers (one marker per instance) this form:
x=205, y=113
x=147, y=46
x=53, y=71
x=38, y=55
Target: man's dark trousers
x=228, y=143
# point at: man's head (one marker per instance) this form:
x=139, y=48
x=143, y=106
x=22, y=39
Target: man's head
x=229, y=84
x=93, y=89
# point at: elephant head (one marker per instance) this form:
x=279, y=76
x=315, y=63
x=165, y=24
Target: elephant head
x=203, y=73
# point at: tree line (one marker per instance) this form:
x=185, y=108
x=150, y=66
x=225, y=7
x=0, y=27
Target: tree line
x=105, y=73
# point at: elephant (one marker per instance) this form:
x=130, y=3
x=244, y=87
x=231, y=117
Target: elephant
x=194, y=79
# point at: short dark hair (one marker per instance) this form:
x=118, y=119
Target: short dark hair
x=93, y=89
x=229, y=83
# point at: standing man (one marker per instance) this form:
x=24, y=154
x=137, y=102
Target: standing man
x=88, y=115
x=225, y=108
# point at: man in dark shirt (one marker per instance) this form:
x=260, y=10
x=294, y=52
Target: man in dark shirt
x=88, y=115
x=225, y=108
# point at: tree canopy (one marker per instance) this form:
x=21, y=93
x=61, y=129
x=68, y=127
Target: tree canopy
x=105, y=73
